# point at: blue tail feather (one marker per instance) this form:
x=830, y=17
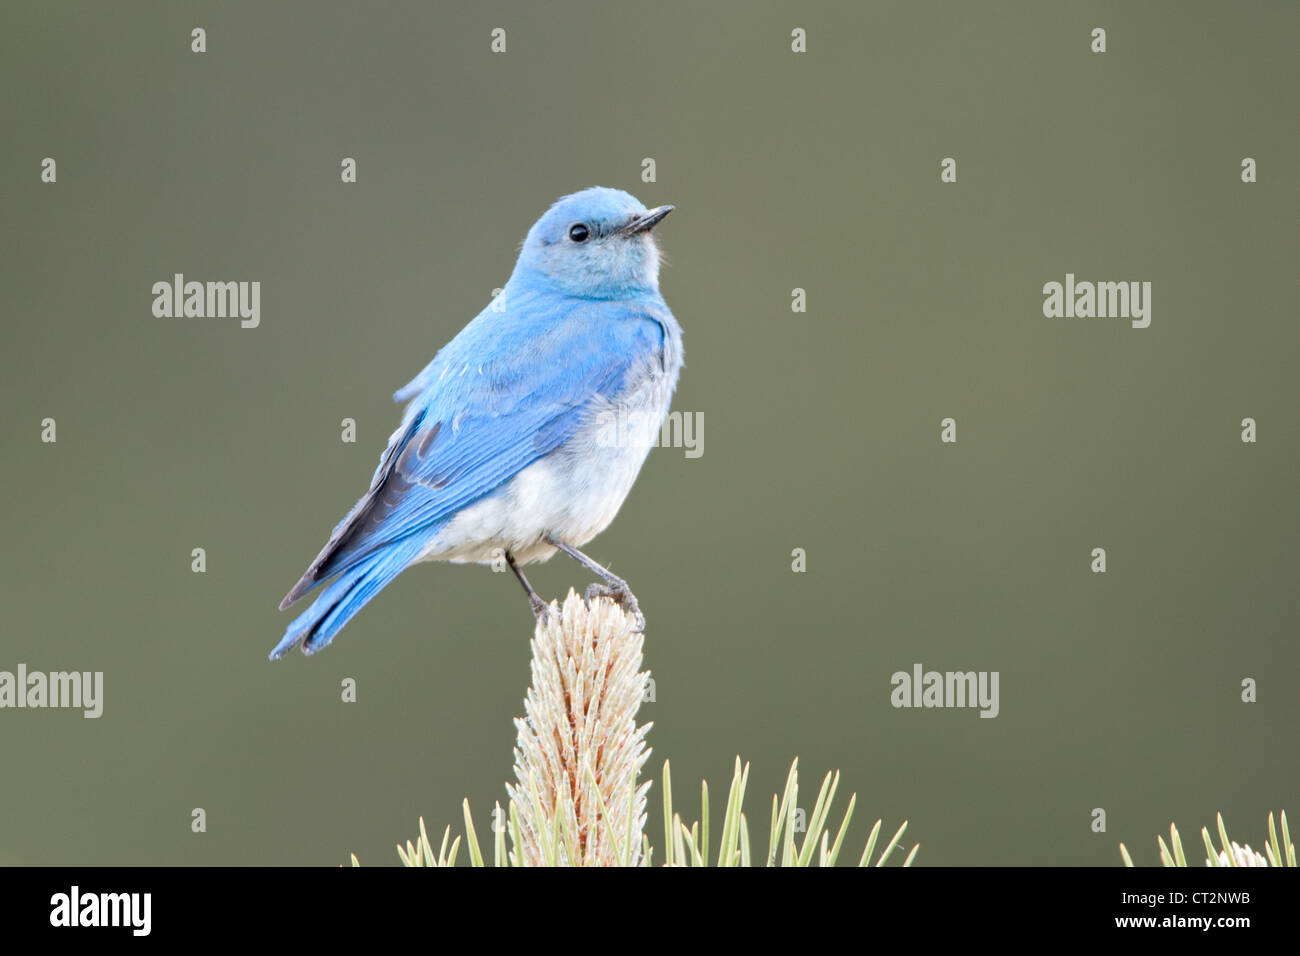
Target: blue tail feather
x=345, y=596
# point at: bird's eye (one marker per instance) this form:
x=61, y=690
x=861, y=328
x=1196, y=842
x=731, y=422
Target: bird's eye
x=578, y=232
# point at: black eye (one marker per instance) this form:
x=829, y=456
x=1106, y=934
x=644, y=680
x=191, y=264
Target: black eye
x=578, y=232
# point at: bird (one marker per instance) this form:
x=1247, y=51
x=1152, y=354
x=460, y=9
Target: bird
x=525, y=433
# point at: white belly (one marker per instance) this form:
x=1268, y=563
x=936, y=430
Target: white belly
x=572, y=494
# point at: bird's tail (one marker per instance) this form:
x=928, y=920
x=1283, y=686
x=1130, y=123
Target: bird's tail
x=344, y=597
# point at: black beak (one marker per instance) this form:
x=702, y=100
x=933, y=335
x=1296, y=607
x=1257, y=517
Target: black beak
x=647, y=222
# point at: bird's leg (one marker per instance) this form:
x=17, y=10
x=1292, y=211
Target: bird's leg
x=614, y=586
x=538, y=605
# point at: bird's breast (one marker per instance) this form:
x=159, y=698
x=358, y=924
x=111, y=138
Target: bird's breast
x=573, y=493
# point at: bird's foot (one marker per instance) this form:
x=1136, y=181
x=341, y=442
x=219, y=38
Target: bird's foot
x=622, y=595
x=541, y=610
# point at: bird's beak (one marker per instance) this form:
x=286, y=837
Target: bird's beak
x=646, y=222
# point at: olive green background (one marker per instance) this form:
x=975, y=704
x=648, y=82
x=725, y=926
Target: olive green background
x=818, y=171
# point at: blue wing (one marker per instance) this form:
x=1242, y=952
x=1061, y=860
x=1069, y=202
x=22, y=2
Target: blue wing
x=504, y=393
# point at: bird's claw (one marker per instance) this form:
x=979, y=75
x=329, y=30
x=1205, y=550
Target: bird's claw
x=541, y=611
x=622, y=595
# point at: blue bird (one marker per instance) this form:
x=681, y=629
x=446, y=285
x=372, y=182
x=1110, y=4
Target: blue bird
x=526, y=432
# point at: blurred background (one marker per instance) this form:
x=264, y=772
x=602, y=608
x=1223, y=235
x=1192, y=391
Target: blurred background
x=818, y=171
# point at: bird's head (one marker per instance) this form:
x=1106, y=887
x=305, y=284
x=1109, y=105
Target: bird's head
x=596, y=243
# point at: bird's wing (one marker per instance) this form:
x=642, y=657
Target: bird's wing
x=473, y=426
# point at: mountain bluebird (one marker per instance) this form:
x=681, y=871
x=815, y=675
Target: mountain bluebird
x=525, y=433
